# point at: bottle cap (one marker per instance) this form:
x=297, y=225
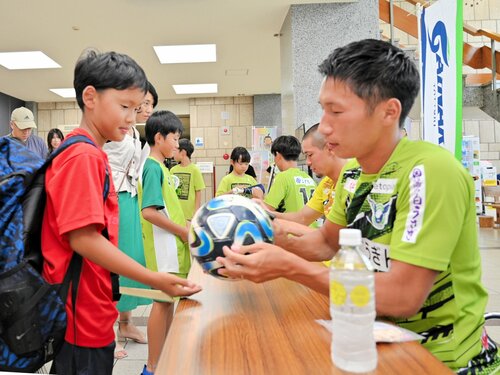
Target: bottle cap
x=350, y=237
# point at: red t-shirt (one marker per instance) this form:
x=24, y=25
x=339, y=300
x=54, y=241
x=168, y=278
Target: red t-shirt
x=75, y=184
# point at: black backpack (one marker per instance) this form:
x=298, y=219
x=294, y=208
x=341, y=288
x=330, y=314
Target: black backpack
x=32, y=312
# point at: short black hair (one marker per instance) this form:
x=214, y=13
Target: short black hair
x=51, y=134
x=288, y=146
x=186, y=145
x=163, y=122
x=151, y=89
x=241, y=155
x=375, y=71
x=317, y=138
x=108, y=70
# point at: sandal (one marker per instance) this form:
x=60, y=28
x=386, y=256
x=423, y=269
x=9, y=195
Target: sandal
x=146, y=372
x=120, y=352
x=137, y=337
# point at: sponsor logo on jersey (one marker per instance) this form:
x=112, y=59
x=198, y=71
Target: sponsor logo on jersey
x=304, y=181
x=350, y=185
x=417, y=204
x=384, y=186
x=380, y=213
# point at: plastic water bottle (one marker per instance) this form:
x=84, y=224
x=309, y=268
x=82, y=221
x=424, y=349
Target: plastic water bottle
x=352, y=306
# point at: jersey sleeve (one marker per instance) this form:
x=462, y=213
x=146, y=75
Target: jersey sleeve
x=318, y=197
x=278, y=191
x=152, y=179
x=433, y=204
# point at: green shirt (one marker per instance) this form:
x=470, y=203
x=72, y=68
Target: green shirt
x=290, y=191
x=190, y=181
x=231, y=181
x=164, y=251
x=421, y=211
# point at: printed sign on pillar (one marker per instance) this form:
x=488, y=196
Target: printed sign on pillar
x=440, y=31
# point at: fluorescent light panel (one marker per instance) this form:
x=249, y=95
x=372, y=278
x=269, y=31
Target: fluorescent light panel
x=65, y=93
x=206, y=88
x=27, y=60
x=194, y=53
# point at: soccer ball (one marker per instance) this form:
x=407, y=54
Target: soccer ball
x=223, y=221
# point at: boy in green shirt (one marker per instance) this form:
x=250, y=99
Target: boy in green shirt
x=292, y=188
x=190, y=179
x=163, y=225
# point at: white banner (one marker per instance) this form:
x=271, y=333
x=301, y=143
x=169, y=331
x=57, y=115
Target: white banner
x=440, y=29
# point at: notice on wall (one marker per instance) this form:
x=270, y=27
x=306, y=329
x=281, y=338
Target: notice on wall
x=205, y=166
x=198, y=142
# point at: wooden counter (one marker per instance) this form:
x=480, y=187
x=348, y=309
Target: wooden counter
x=238, y=327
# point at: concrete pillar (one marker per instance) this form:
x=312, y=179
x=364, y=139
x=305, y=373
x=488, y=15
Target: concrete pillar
x=308, y=35
x=267, y=111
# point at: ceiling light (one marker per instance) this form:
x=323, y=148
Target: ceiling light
x=206, y=88
x=27, y=60
x=65, y=93
x=193, y=53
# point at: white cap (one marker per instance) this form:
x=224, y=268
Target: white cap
x=23, y=118
x=350, y=237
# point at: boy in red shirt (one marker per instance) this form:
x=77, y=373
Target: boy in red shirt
x=109, y=89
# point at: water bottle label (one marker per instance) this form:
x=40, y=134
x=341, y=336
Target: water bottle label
x=338, y=294
x=360, y=295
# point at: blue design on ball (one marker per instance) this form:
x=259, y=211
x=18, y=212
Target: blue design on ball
x=206, y=243
x=246, y=228
x=223, y=221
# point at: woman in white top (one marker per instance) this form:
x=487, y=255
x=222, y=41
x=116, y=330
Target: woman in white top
x=124, y=159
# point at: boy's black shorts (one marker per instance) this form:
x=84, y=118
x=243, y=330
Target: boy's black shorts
x=77, y=360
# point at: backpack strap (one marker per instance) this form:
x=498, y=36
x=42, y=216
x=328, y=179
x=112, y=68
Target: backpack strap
x=75, y=266
x=70, y=142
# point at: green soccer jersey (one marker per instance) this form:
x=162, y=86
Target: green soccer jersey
x=190, y=181
x=419, y=209
x=231, y=181
x=290, y=191
x=163, y=251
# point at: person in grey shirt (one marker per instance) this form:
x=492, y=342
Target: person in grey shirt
x=22, y=123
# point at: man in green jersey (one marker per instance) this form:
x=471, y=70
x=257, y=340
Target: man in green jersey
x=323, y=163
x=419, y=232
x=292, y=188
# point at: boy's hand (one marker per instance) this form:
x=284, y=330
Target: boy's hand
x=184, y=234
x=176, y=286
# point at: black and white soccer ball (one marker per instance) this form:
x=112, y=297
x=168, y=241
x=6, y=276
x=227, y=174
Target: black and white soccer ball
x=224, y=221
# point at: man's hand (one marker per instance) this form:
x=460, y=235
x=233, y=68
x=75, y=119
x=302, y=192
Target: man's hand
x=257, y=262
x=263, y=262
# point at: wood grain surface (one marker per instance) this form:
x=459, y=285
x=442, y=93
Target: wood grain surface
x=238, y=327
